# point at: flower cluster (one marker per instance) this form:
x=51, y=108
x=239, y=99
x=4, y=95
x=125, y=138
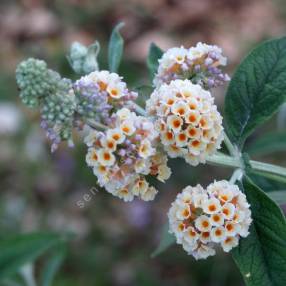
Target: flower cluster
x=202, y=218
x=57, y=112
x=125, y=153
x=101, y=93
x=200, y=64
x=188, y=121
x=36, y=81
x=45, y=88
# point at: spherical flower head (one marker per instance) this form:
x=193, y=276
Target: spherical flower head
x=200, y=64
x=100, y=93
x=187, y=119
x=124, y=154
x=202, y=218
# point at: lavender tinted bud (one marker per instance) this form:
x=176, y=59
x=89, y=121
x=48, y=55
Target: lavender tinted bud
x=210, y=83
x=208, y=61
x=184, y=67
x=122, y=152
x=132, y=147
x=128, y=161
x=197, y=68
x=138, y=137
x=127, y=142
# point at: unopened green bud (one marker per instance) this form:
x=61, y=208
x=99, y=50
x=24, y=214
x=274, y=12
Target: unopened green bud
x=83, y=60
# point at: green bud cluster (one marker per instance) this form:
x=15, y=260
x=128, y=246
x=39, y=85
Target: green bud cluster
x=83, y=59
x=35, y=81
x=58, y=113
x=43, y=87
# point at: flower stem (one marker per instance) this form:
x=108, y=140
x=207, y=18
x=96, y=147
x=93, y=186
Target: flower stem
x=139, y=109
x=231, y=148
x=220, y=159
x=27, y=272
x=236, y=176
x=96, y=125
x=264, y=169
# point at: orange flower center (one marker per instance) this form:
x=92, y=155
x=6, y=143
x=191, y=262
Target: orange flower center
x=182, y=137
x=212, y=208
x=102, y=85
x=225, y=211
x=186, y=213
x=195, y=143
x=205, y=223
x=169, y=135
x=181, y=227
x=116, y=137
x=192, y=132
x=181, y=111
x=177, y=123
x=170, y=101
x=192, y=233
x=192, y=106
x=216, y=218
x=106, y=156
x=114, y=92
x=110, y=145
x=228, y=240
x=192, y=118
x=203, y=122
x=224, y=197
x=126, y=129
x=218, y=232
x=206, y=234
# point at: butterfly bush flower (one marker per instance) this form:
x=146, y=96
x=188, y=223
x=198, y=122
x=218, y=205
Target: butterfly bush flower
x=203, y=218
x=200, y=64
x=187, y=119
x=100, y=94
x=57, y=113
x=36, y=81
x=43, y=87
x=124, y=154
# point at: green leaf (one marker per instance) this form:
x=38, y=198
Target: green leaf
x=155, y=53
x=278, y=196
x=167, y=240
x=256, y=90
x=261, y=256
x=18, y=250
x=267, y=184
x=52, y=265
x=270, y=143
x=115, y=48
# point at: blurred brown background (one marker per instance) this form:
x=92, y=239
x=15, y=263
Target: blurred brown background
x=39, y=191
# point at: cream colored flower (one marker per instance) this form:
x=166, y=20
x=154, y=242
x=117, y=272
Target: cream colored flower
x=127, y=127
x=92, y=157
x=105, y=157
x=149, y=194
x=116, y=134
x=198, y=218
x=164, y=172
x=229, y=243
x=175, y=123
x=146, y=149
x=187, y=120
x=124, y=154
